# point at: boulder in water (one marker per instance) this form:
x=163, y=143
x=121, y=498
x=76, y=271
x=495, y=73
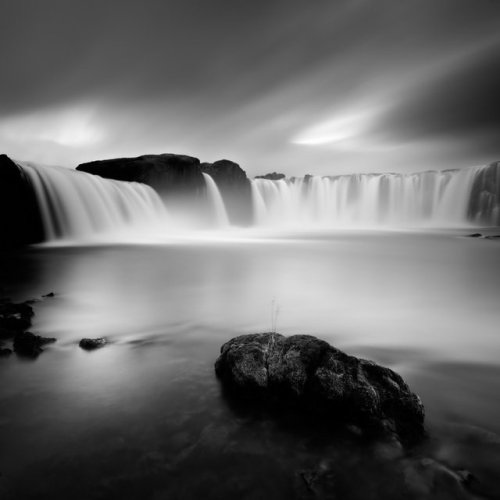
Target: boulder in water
x=91, y=344
x=313, y=375
x=30, y=345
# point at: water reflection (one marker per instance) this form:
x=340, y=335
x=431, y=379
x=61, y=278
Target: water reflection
x=144, y=416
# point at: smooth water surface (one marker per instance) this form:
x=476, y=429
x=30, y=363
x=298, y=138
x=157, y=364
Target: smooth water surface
x=144, y=417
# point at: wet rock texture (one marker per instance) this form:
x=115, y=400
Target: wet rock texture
x=29, y=344
x=309, y=372
x=91, y=344
x=15, y=319
x=165, y=173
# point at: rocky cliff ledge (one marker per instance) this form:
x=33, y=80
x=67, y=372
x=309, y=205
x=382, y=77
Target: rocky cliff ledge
x=484, y=199
x=234, y=187
x=172, y=175
x=166, y=173
x=310, y=374
x=20, y=220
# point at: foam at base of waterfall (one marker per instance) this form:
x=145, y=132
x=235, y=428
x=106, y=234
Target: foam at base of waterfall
x=80, y=207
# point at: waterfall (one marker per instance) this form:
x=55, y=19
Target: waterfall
x=425, y=199
x=216, y=202
x=76, y=205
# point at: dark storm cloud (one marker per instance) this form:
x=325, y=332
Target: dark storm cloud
x=242, y=79
x=465, y=99
x=54, y=51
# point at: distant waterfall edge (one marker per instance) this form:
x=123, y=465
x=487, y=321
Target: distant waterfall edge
x=426, y=199
x=76, y=205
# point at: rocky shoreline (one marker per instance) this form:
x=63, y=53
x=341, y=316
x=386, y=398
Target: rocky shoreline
x=16, y=319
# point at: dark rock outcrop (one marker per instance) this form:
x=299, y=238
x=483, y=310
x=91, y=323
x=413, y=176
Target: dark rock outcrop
x=484, y=200
x=166, y=173
x=14, y=317
x=226, y=173
x=273, y=176
x=234, y=187
x=20, y=221
x=29, y=344
x=313, y=375
x=91, y=344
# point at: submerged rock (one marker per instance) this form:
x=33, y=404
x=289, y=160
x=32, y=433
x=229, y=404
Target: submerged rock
x=29, y=344
x=310, y=373
x=90, y=344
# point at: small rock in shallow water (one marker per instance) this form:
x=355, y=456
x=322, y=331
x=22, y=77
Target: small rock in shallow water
x=29, y=344
x=312, y=374
x=89, y=344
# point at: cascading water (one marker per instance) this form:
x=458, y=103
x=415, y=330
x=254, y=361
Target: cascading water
x=433, y=198
x=216, y=202
x=76, y=205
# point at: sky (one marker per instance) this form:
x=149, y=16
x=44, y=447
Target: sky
x=294, y=86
